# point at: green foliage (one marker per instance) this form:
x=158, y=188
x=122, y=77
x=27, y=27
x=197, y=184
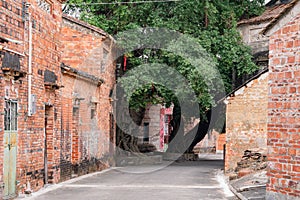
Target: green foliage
x=213, y=23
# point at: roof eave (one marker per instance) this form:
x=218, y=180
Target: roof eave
x=283, y=18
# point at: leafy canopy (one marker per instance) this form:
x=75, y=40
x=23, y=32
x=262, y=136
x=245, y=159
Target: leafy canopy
x=213, y=23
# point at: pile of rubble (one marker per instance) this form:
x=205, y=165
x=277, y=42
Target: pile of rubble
x=253, y=160
x=252, y=186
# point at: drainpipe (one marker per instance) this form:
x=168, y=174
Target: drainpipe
x=26, y=16
x=29, y=65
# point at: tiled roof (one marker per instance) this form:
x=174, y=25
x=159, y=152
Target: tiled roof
x=287, y=8
x=269, y=14
x=85, y=24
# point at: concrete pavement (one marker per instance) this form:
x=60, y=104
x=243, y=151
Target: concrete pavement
x=200, y=180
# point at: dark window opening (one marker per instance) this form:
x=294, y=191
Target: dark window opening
x=93, y=113
x=75, y=110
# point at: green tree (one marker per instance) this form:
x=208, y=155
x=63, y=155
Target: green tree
x=213, y=23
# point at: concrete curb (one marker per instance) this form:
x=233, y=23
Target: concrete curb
x=35, y=195
x=224, y=184
x=239, y=195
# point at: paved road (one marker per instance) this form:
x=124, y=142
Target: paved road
x=179, y=181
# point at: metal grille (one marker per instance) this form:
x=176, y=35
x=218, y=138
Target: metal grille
x=11, y=116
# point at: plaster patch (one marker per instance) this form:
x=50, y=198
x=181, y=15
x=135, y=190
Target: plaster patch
x=240, y=91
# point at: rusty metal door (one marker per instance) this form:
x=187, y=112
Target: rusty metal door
x=10, y=148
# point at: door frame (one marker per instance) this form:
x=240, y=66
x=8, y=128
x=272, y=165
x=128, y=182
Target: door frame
x=10, y=148
x=48, y=111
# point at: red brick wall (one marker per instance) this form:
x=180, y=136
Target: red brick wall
x=46, y=50
x=220, y=142
x=83, y=50
x=11, y=26
x=246, y=123
x=283, y=113
x=46, y=55
x=79, y=51
x=89, y=138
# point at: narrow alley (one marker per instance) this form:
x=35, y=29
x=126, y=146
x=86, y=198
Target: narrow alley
x=149, y=99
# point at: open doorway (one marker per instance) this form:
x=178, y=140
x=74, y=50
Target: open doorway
x=47, y=137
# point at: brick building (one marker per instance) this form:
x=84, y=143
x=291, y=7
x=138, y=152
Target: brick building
x=88, y=77
x=213, y=142
x=40, y=136
x=239, y=128
x=246, y=119
x=246, y=124
x=251, y=30
x=283, y=105
x=29, y=85
x=156, y=126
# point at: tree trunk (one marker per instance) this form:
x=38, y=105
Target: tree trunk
x=181, y=142
x=127, y=134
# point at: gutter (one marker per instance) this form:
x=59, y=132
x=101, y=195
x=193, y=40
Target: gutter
x=236, y=193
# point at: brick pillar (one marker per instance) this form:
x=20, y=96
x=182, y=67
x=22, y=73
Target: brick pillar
x=283, y=113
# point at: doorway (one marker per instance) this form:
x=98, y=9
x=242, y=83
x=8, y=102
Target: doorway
x=47, y=132
x=10, y=148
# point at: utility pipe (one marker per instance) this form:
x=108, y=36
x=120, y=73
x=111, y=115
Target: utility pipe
x=29, y=66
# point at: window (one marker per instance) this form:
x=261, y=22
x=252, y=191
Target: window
x=93, y=113
x=10, y=116
x=93, y=110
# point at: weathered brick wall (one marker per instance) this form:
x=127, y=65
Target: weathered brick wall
x=11, y=27
x=83, y=138
x=88, y=50
x=283, y=113
x=221, y=140
x=46, y=56
x=246, y=120
x=209, y=142
x=31, y=139
x=152, y=117
x=41, y=133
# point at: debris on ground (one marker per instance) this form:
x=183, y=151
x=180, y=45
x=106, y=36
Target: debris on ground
x=252, y=186
x=249, y=179
x=253, y=160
